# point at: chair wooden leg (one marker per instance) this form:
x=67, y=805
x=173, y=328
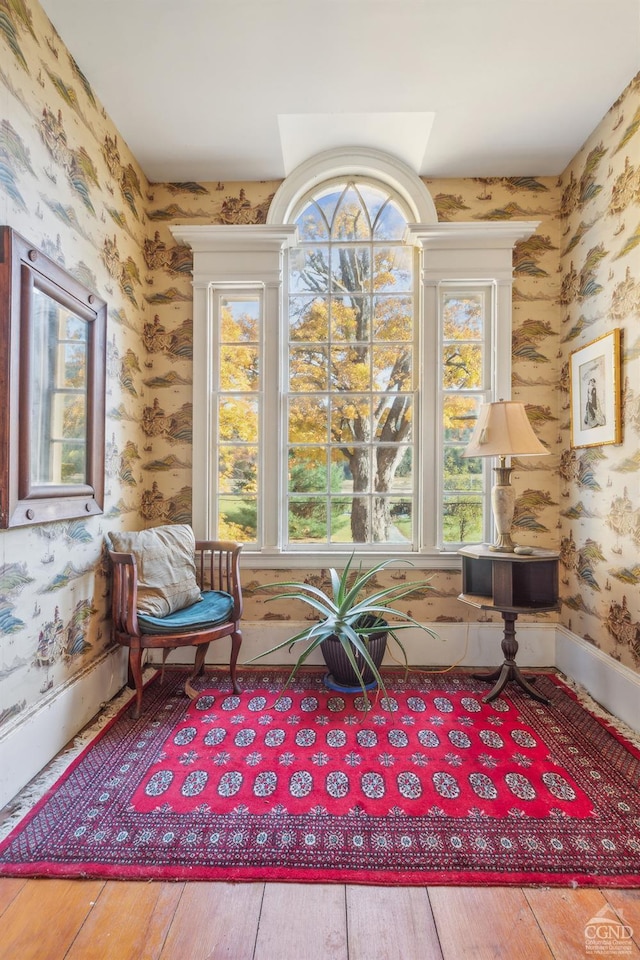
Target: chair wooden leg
x=135, y=672
x=165, y=653
x=198, y=668
x=236, y=641
x=198, y=663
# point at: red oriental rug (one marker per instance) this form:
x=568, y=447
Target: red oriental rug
x=430, y=786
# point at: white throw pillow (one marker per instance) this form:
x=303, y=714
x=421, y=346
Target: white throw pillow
x=165, y=558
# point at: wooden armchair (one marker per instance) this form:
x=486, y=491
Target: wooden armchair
x=217, y=569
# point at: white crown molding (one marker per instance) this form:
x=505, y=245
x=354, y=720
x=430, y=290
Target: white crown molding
x=471, y=236
x=236, y=255
x=215, y=237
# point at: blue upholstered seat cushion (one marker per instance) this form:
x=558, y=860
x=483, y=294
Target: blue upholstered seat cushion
x=215, y=607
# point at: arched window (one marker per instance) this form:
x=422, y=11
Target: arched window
x=350, y=390
x=341, y=351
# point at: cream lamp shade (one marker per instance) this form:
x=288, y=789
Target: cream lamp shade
x=503, y=430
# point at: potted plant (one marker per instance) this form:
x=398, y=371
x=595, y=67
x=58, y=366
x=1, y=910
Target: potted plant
x=352, y=628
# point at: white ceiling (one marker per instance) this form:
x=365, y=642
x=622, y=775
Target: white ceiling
x=247, y=89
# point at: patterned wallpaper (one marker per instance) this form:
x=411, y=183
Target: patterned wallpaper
x=70, y=185
x=599, y=514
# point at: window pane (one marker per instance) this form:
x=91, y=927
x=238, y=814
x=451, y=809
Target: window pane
x=350, y=317
x=350, y=269
x=399, y=528
x=239, y=368
x=74, y=365
x=393, y=318
x=238, y=418
x=350, y=519
x=391, y=368
x=358, y=472
x=351, y=221
x=394, y=469
x=70, y=417
x=71, y=327
x=393, y=269
x=460, y=473
x=307, y=369
x=307, y=520
x=392, y=418
x=463, y=316
x=308, y=469
x=308, y=420
x=309, y=270
x=312, y=224
x=462, y=366
x=463, y=519
x=328, y=199
x=238, y=518
x=351, y=368
x=374, y=200
x=238, y=469
x=240, y=319
x=341, y=476
x=391, y=223
x=351, y=419
x=308, y=318
x=73, y=464
x=459, y=414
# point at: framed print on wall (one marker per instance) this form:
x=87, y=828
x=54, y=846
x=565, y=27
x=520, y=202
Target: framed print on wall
x=594, y=382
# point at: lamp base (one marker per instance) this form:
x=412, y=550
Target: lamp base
x=503, y=501
x=503, y=544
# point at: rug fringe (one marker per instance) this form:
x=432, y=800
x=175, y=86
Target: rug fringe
x=587, y=701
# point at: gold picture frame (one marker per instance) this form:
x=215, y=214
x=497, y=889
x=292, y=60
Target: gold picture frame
x=595, y=395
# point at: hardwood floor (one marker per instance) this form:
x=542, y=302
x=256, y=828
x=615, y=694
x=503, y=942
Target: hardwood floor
x=122, y=920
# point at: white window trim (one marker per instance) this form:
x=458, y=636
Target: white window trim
x=239, y=256
x=229, y=257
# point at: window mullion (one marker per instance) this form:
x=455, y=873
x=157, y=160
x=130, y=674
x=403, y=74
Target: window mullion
x=431, y=414
x=271, y=427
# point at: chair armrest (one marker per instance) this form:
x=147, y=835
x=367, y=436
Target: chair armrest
x=124, y=593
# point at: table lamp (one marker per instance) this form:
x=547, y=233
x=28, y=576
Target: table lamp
x=503, y=430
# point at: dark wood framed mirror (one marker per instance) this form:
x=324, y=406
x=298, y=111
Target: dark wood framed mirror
x=52, y=389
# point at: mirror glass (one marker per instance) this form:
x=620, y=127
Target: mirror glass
x=58, y=381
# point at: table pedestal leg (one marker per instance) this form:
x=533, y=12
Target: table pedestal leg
x=509, y=669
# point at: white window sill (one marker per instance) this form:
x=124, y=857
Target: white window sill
x=312, y=560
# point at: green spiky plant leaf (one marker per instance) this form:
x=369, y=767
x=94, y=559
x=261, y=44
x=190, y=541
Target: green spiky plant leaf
x=347, y=614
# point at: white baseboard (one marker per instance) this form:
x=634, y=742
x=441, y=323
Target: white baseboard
x=466, y=644
x=614, y=686
x=36, y=736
